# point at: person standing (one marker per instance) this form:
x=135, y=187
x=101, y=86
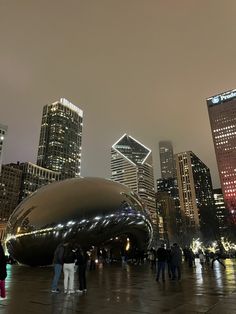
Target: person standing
x=168, y=261
x=152, y=258
x=161, y=262
x=217, y=257
x=69, y=268
x=201, y=258
x=81, y=262
x=58, y=263
x=3, y=272
x=93, y=257
x=176, y=261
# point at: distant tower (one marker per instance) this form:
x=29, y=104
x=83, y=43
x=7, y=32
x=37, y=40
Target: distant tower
x=131, y=165
x=167, y=160
x=195, y=192
x=3, y=132
x=222, y=114
x=168, y=206
x=60, y=138
x=221, y=212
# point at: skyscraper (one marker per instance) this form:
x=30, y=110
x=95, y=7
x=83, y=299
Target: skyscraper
x=170, y=187
x=131, y=165
x=3, y=131
x=166, y=207
x=221, y=213
x=10, y=181
x=167, y=161
x=195, y=193
x=168, y=184
x=34, y=177
x=60, y=138
x=222, y=114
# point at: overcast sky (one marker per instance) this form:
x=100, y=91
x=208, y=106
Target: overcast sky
x=142, y=67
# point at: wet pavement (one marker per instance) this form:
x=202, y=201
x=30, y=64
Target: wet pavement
x=113, y=289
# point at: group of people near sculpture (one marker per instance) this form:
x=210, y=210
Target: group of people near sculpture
x=71, y=258
x=172, y=259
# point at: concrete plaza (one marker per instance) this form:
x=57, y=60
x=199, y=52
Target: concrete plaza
x=132, y=290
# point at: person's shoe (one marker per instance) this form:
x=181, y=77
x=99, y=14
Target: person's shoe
x=85, y=290
x=71, y=291
x=55, y=291
x=79, y=291
x=65, y=291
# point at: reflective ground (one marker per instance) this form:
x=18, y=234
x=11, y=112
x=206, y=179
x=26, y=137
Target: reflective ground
x=132, y=289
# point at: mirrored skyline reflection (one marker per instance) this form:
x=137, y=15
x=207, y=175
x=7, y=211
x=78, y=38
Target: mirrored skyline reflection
x=88, y=210
x=141, y=67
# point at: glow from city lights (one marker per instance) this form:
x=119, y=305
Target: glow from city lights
x=196, y=245
x=127, y=245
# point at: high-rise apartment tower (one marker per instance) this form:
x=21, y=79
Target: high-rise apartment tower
x=60, y=138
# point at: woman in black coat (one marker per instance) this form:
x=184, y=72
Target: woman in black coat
x=3, y=272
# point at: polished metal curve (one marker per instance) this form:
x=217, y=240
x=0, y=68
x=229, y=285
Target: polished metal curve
x=87, y=210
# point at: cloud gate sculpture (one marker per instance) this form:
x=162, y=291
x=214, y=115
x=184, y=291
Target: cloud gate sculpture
x=90, y=211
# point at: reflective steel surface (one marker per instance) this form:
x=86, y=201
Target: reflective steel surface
x=88, y=210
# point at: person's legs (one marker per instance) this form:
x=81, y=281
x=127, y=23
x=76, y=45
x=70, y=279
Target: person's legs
x=163, y=270
x=221, y=262
x=66, y=276
x=71, y=271
x=57, y=274
x=169, y=269
x=173, y=270
x=179, y=272
x=2, y=289
x=81, y=278
x=212, y=263
x=158, y=270
x=84, y=277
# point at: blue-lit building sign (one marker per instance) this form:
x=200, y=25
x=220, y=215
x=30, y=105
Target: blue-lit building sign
x=221, y=98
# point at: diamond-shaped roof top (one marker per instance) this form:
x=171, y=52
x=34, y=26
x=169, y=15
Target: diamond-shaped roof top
x=131, y=149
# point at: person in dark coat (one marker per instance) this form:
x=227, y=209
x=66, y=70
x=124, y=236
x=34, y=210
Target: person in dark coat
x=168, y=261
x=161, y=262
x=3, y=272
x=176, y=261
x=81, y=262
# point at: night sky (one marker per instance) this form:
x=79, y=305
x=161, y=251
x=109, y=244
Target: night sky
x=142, y=67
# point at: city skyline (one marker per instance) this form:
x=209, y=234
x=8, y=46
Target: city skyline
x=148, y=76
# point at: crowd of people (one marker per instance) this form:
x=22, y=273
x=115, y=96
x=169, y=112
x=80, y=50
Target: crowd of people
x=171, y=259
x=72, y=260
